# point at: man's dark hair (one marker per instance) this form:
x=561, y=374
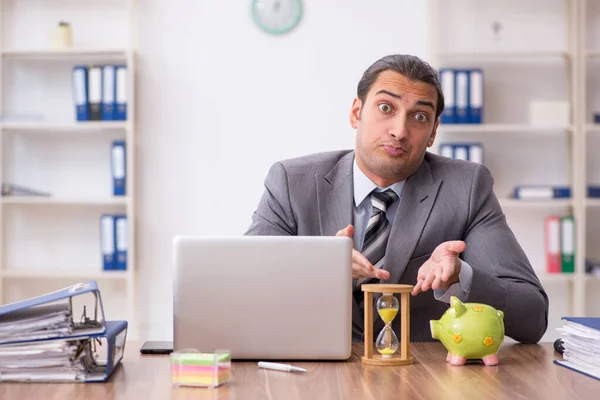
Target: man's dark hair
x=413, y=68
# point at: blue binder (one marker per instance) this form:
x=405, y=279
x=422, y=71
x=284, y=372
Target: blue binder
x=541, y=192
x=475, y=96
x=107, y=242
x=594, y=192
x=447, y=81
x=80, y=92
x=118, y=163
x=109, y=92
x=461, y=88
x=121, y=93
x=53, y=320
x=120, y=242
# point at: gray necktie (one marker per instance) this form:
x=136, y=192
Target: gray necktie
x=378, y=230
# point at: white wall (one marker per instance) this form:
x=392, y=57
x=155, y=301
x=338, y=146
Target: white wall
x=220, y=101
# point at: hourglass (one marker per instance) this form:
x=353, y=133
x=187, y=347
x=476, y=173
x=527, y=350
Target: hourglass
x=387, y=343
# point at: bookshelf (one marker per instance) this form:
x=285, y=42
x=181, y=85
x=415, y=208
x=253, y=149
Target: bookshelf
x=520, y=65
x=47, y=243
x=588, y=296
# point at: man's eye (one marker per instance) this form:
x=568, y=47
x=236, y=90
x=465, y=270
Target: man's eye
x=386, y=108
x=421, y=117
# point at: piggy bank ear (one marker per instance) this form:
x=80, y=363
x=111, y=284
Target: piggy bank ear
x=457, y=308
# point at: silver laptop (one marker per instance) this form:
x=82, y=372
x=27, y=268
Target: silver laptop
x=264, y=297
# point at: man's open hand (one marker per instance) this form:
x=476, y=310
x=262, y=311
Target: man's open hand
x=361, y=267
x=442, y=268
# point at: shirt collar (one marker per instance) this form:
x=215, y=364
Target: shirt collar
x=363, y=186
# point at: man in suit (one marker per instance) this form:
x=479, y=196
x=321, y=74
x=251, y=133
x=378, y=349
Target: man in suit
x=416, y=218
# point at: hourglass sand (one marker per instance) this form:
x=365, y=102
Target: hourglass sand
x=387, y=343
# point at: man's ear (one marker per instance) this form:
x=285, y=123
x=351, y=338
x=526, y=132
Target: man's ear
x=355, y=112
x=432, y=137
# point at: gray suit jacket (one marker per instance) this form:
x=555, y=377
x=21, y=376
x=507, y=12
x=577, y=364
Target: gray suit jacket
x=443, y=200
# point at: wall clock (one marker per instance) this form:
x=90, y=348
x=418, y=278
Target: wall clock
x=276, y=16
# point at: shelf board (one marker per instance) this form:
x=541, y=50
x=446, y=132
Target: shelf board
x=65, y=54
x=592, y=53
x=89, y=273
x=501, y=128
x=91, y=126
x=592, y=202
x=534, y=203
x=592, y=128
x=507, y=55
x=556, y=277
x=64, y=201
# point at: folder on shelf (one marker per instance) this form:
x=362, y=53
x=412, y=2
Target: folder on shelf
x=107, y=242
x=11, y=189
x=120, y=242
x=80, y=92
x=447, y=82
x=121, y=93
x=108, y=93
x=581, y=342
x=463, y=151
x=552, y=226
x=567, y=237
x=118, y=164
x=594, y=192
x=541, y=192
x=95, y=92
x=447, y=150
x=462, y=96
x=61, y=336
x=475, y=96
x=476, y=152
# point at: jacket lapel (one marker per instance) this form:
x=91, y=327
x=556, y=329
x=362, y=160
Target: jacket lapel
x=334, y=197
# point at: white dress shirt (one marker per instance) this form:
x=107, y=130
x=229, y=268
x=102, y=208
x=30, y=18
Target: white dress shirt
x=362, y=212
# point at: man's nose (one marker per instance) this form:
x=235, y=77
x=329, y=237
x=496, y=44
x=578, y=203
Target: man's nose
x=398, y=128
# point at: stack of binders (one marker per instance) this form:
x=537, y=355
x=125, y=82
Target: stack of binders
x=463, y=95
x=560, y=243
x=113, y=242
x=463, y=151
x=100, y=92
x=60, y=337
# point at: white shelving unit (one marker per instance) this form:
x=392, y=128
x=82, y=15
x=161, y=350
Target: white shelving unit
x=47, y=243
x=553, y=69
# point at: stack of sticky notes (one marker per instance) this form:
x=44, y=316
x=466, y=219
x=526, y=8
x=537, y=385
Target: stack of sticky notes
x=190, y=368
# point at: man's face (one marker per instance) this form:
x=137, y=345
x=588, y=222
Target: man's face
x=394, y=127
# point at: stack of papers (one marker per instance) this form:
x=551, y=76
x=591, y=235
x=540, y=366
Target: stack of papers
x=41, y=322
x=43, y=361
x=581, y=342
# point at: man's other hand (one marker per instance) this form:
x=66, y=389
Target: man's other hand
x=361, y=267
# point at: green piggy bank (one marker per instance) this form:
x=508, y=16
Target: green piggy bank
x=470, y=331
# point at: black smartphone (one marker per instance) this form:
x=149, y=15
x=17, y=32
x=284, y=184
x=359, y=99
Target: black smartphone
x=157, y=347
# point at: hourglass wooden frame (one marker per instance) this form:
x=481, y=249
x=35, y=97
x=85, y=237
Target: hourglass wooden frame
x=405, y=357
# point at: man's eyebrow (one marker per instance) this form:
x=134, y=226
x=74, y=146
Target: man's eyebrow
x=389, y=93
x=425, y=103
x=397, y=96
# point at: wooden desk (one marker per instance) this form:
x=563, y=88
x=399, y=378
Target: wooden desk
x=525, y=372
